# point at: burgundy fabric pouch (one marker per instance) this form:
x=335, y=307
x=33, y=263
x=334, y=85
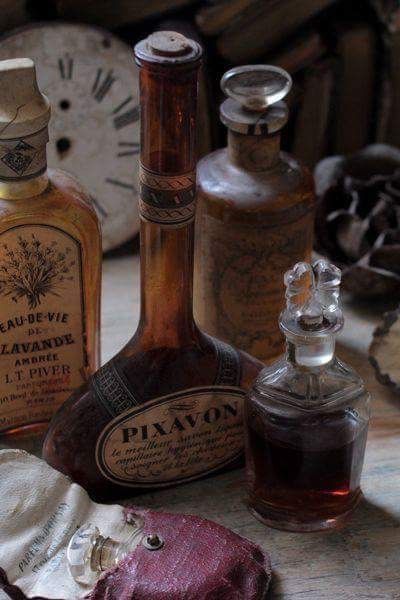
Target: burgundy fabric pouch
x=200, y=560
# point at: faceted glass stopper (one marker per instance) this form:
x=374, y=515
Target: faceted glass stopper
x=89, y=553
x=256, y=87
x=312, y=295
x=312, y=316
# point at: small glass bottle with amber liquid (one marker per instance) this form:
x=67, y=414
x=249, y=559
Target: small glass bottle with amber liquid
x=167, y=408
x=50, y=264
x=307, y=415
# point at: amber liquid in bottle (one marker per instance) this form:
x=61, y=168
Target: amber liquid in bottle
x=312, y=473
x=168, y=407
x=50, y=267
x=307, y=415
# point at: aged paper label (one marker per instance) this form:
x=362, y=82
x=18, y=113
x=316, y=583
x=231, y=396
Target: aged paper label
x=239, y=289
x=23, y=158
x=42, y=353
x=174, y=438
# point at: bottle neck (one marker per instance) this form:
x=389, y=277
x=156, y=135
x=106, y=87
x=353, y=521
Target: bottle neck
x=18, y=190
x=254, y=152
x=23, y=166
x=167, y=202
x=315, y=354
x=166, y=266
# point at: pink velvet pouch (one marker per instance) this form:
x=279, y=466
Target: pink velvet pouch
x=200, y=560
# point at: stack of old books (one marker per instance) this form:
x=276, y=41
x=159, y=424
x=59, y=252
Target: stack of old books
x=344, y=58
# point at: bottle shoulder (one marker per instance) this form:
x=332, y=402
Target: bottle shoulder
x=205, y=361
x=221, y=181
x=63, y=204
x=66, y=188
x=308, y=389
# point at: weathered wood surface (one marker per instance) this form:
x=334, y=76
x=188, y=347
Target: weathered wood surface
x=359, y=562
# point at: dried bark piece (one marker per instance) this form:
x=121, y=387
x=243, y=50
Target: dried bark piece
x=386, y=252
x=384, y=350
x=358, y=218
x=350, y=234
x=367, y=282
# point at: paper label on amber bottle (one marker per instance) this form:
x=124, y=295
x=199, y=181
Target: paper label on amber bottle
x=42, y=352
x=23, y=158
x=174, y=438
x=168, y=200
x=239, y=290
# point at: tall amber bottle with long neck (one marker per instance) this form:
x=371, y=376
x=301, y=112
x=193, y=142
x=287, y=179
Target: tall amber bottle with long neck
x=168, y=407
x=50, y=264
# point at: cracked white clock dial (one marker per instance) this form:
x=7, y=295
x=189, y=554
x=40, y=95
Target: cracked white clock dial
x=91, y=80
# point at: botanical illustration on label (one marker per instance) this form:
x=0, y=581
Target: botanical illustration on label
x=42, y=354
x=22, y=158
x=169, y=200
x=239, y=291
x=174, y=438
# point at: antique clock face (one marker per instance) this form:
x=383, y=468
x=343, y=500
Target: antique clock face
x=91, y=80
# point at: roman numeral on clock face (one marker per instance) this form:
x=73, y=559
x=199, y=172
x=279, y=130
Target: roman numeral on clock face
x=100, y=210
x=128, y=148
x=102, y=84
x=118, y=183
x=65, y=66
x=122, y=119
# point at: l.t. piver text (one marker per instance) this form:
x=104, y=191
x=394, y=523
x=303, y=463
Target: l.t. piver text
x=41, y=324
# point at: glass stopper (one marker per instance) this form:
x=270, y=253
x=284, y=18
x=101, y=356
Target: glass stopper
x=89, y=553
x=312, y=315
x=312, y=296
x=256, y=87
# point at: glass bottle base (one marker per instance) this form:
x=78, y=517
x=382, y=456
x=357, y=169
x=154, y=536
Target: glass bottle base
x=287, y=521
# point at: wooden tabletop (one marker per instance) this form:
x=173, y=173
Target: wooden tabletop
x=362, y=560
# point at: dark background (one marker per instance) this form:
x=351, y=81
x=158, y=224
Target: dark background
x=343, y=55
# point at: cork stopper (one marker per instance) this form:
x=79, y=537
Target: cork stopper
x=24, y=110
x=254, y=105
x=168, y=43
x=168, y=47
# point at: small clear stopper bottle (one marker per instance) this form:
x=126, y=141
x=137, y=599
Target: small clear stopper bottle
x=90, y=553
x=307, y=415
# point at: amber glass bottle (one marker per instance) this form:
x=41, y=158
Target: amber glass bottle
x=254, y=218
x=50, y=264
x=168, y=407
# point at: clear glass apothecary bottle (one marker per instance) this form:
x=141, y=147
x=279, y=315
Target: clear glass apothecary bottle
x=307, y=415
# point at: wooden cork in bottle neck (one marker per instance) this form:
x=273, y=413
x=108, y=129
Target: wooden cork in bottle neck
x=167, y=47
x=168, y=43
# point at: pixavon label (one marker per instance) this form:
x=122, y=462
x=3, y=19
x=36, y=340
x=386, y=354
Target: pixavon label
x=173, y=439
